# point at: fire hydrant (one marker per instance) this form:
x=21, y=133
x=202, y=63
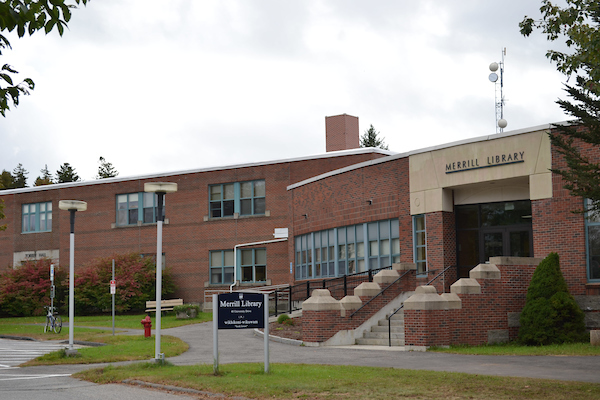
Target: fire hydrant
x=147, y=326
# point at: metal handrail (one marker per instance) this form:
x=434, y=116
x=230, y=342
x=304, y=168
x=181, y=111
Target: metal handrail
x=337, y=282
x=438, y=275
x=389, y=320
x=381, y=292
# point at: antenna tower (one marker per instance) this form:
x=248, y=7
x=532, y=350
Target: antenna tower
x=501, y=123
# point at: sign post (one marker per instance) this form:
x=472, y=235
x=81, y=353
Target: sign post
x=113, y=290
x=240, y=310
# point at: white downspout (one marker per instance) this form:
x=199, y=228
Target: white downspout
x=235, y=257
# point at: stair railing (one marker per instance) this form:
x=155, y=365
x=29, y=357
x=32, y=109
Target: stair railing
x=381, y=292
x=389, y=321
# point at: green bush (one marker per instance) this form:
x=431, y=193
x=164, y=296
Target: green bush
x=186, y=307
x=282, y=318
x=25, y=290
x=551, y=315
x=136, y=283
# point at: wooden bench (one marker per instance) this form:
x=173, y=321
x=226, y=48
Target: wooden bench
x=165, y=305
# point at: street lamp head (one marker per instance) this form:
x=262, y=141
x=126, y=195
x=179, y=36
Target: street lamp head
x=75, y=205
x=160, y=187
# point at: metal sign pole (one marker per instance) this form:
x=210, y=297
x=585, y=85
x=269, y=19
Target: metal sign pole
x=113, y=298
x=266, y=307
x=215, y=299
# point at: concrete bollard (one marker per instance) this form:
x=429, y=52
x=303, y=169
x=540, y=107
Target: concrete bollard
x=595, y=337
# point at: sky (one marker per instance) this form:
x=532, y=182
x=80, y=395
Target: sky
x=159, y=86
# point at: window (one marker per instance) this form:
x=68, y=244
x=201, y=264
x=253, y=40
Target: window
x=134, y=207
x=244, y=198
x=37, y=217
x=347, y=250
x=253, y=265
x=221, y=266
x=420, y=244
x=592, y=222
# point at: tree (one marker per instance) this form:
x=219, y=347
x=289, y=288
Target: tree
x=7, y=181
x=106, y=169
x=66, y=173
x=371, y=139
x=27, y=16
x=20, y=176
x=2, y=215
x=551, y=315
x=578, y=23
x=45, y=179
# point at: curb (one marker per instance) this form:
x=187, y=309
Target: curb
x=180, y=389
x=278, y=339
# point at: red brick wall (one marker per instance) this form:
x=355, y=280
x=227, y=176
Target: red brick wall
x=426, y=327
x=441, y=248
x=187, y=239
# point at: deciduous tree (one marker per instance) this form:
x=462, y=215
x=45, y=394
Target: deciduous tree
x=27, y=17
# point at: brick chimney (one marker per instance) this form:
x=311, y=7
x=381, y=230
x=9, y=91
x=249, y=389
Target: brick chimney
x=341, y=132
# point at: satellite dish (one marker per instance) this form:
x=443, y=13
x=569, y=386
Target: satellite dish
x=494, y=67
x=493, y=77
x=502, y=123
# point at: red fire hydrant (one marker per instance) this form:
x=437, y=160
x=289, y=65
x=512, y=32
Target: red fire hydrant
x=147, y=326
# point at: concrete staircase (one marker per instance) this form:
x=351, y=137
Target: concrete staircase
x=378, y=336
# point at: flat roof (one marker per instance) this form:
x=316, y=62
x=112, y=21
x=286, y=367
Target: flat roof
x=426, y=149
x=330, y=154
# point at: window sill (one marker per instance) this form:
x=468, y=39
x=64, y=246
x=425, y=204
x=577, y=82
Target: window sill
x=32, y=232
x=140, y=223
x=236, y=216
x=239, y=284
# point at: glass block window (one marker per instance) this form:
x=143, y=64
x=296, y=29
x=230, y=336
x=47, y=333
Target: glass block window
x=253, y=265
x=244, y=198
x=134, y=207
x=347, y=250
x=37, y=217
x=221, y=266
x=420, y=243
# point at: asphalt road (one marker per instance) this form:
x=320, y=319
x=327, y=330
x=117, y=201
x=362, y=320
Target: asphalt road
x=54, y=382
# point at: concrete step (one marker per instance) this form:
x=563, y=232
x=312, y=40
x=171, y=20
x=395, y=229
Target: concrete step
x=385, y=329
x=393, y=322
x=379, y=342
x=382, y=335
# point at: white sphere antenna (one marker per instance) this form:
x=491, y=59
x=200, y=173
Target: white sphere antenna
x=501, y=123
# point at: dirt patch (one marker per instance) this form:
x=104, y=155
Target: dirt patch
x=287, y=331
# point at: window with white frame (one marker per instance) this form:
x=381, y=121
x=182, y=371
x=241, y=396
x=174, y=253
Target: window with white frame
x=253, y=265
x=420, y=244
x=134, y=207
x=347, y=250
x=221, y=267
x=37, y=217
x=243, y=198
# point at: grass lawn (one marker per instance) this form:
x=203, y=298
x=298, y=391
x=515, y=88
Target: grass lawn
x=512, y=349
x=118, y=348
x=34, y=326
x=291, y=381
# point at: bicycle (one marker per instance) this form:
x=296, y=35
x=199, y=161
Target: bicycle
x=53, y=321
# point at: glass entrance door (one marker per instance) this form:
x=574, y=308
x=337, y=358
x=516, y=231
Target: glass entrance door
x=492, y=230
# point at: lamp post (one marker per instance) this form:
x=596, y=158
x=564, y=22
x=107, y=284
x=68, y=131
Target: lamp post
x=160, y=188
x=72, y=206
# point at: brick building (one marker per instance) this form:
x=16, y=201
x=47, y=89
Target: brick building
x=348, y=210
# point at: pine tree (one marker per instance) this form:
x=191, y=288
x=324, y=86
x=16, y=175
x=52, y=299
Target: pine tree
x=371, y=139
x=20, y=176
x=45, y=178
x=106, y=169
x=579, y=23
x=66, y=173
x=551, y=315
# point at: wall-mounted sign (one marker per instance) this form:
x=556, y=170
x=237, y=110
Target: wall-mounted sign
x=494, y=160
x=241, y=310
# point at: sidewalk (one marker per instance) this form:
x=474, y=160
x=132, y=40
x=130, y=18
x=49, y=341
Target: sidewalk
x=241, y=346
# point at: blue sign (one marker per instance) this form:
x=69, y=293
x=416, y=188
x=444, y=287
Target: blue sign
x=241, y=310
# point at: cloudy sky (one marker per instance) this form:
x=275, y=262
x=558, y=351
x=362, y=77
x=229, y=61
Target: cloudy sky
x=156, y=86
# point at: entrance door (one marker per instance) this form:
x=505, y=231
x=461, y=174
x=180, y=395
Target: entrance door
x=492, y=230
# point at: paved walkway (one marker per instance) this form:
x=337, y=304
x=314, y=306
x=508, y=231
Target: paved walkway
x=243, y=346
